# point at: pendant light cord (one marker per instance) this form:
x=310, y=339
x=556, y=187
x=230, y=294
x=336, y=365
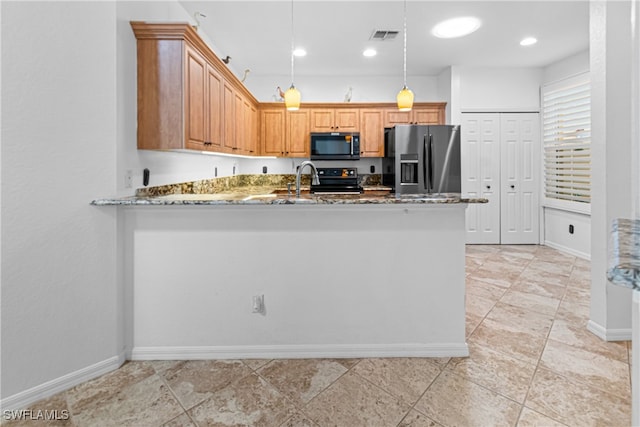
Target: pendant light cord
x=292, y=44
x=405, y=44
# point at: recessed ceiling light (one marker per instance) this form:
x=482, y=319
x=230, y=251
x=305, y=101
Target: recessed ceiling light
x=528, y=41
x=299, y=52
x=456, y=27
x=370, y=52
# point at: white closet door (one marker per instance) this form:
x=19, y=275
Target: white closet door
x=480, y=155
x=520, y=136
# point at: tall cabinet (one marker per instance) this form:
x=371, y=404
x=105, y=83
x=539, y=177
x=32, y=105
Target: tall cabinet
x=501, y=162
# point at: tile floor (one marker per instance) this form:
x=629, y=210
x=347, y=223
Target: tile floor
x=532, y=363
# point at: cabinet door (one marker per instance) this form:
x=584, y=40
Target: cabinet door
x=347, y=119
x=272, y=132
x=251, y=123
x=371, y=133
x=395, y=117
x=195, y=100
x=298, y=143
x=322, y=120
x=520, y=140
x=428, y=116
x=480, y=156
x=229, y=118
x=214, y=110
x=239, y=145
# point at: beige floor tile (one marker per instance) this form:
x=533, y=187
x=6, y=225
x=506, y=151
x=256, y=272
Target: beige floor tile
x=182, y=420
x=582, y=264
x=105, y=387
x=537, y=303
x=162, y=365
x=302, y=379
x=299, y=420
x=513, y=258
x=533, y=249
x=507, y=339
x=472, y=263
x=501, y=269
x=496, y=371
x=578, y=336
x=521, y=319
x=353, y=401
x=478, y=306
x=551, y=268
x=531, y=418
x=347, y=363
x=248, y=402
x=581, y=366
x=416, y=419
x=256, y=364
x=194, y=381
x=481, y=251
x=539, y=286
x=404, y=378
x=452, y=400
x=576, y=404
x=483, y=275
x=536, y=276
x=440, y=362
x=471, y=323
x=483, y=289
x=148, y=402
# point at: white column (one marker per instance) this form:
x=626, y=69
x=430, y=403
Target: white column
x=612, y=165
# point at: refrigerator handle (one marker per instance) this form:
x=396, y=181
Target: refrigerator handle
x=425, y=175
x=430, y=163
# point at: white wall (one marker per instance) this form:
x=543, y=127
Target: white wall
x=487, y=89
x=556, y=222
x=59, y=298
x=334, y=88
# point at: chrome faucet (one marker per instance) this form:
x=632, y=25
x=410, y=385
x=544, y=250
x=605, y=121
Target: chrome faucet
x=314, y=175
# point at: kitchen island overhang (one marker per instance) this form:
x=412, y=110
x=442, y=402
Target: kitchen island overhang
x=338, y=280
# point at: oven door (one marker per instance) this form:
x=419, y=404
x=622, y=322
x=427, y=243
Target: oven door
x=335, y=146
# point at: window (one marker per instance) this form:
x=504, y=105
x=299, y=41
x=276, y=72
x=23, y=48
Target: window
x=566, y=127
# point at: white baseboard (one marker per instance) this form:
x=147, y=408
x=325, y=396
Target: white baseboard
x=299, y=351
x=568, y=250
x=609, y=334
x=25, y=398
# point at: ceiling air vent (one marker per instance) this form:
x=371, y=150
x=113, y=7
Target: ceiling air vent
x=382, y=35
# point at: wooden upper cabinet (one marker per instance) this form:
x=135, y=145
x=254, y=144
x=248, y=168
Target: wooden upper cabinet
x=229, y=106
x=419, y=115
x=187, y=95
x=272, y=131
x=372, y=133
x=284, y=133
x=215, y=112
x=298, y=134
x=335, y=120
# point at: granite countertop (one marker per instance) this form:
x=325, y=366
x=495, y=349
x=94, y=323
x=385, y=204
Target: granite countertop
x=269, y=190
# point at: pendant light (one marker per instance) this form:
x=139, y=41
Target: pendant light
x=292, y=95
x=405, y=96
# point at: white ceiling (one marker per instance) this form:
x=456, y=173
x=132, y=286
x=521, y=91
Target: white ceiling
x=257, y=34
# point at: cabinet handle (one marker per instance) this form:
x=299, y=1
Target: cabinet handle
x=512, y=187
x=488, y=187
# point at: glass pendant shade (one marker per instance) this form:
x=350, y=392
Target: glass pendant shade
x=405, y=99
x=292, y=98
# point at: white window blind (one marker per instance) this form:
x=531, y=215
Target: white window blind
x=566, y=123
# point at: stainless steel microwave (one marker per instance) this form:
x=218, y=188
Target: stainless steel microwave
x=335, y=146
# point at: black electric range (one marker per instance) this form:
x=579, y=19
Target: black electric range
x=337, y=180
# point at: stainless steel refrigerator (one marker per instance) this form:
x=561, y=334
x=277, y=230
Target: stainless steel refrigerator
x=422, y=159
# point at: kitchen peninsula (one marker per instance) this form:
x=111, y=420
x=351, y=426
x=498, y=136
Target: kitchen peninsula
x=255, y=272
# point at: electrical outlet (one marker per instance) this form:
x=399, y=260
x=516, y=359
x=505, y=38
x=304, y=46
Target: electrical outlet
x=128, y=179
